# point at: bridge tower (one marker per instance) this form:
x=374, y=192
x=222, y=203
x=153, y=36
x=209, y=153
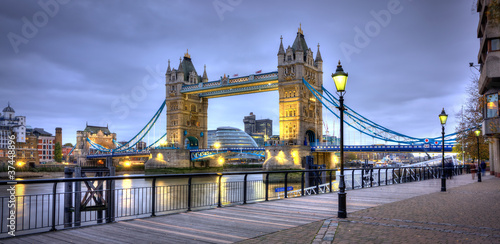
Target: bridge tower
x=300, y=112
x=186, y=114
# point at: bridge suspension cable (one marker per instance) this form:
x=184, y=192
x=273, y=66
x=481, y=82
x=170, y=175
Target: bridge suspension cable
x=367, y=126
x=142, y=133
x=149, y=128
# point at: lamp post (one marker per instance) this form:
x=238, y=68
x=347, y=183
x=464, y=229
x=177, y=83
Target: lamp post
x=478, y=133
x=442, y=118
x=340, y=79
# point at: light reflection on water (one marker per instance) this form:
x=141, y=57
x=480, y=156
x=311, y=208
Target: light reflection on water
x=47, y=188
x=133, y=196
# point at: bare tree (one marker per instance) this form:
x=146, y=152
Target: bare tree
x=471, y=118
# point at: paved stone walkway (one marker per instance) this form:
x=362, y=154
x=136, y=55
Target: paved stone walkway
x=416, y=212
x=468, y=212
x=465, y=214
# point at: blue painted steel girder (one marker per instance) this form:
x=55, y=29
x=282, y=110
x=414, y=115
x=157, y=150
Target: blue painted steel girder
x=385, y=148
x=240, y=91
x=234, y=86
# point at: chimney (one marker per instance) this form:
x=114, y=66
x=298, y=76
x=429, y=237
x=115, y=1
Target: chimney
x=59, y=135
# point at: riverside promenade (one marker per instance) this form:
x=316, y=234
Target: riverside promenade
x=417, y=212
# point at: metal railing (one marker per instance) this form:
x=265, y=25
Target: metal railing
x=52, y=210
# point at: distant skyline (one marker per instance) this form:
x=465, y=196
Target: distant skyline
x=66, y=63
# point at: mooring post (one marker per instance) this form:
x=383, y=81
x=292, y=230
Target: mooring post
x=68, y=198
x=99, y=202
x=219, y=202
x=110, y=195
x=78, y=196
x=302, y=183
x=267, y=186
x=54, y=202
x=245, y=189
x=153, y=198
x=189, y=193
x=286, y=185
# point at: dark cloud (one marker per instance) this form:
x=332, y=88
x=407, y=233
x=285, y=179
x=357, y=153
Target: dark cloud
x=89, y=55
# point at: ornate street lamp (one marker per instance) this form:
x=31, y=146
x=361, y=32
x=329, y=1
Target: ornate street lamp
x=442, y=118
x=478, y=133
x=340, y=79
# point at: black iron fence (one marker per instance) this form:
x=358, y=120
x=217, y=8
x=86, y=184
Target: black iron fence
x=100, y=202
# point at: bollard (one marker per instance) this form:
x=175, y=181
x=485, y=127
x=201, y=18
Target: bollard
x=78, y=196
x=331, y=190
x=267, y=186
x=68, y=198
x=302, y=184
x=54, y=202
x=153, y=198
x=245, y=189
x=286, y=185
x=352, y=179
x=189, y=193
x=219, y=204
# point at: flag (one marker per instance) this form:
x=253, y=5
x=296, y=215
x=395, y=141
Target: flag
x=258, y=71
x=235, y=75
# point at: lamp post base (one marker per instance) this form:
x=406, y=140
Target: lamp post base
x=342, y=213
x=443, y=184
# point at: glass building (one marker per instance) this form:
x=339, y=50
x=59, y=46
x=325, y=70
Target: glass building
x=230, y=137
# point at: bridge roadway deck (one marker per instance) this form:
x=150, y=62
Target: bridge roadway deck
x=394, y=211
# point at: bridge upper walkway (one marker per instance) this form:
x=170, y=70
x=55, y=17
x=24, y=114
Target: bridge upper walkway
x=234, y=86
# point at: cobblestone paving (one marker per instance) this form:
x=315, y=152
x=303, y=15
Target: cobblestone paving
x=466, y=214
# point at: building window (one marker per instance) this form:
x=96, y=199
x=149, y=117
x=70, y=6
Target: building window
x=495, y=44
x=491, y=105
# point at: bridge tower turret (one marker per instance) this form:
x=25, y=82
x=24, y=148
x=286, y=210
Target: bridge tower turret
x=300, y=112
x=186, y=114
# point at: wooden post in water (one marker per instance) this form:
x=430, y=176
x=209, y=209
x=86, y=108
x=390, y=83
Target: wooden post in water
x=78, y=196
x=110, y=192
x=98, y=201
x=68, y=198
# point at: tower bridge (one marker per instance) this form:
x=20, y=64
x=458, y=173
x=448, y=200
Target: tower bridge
x=300, y=115
x=302, y=97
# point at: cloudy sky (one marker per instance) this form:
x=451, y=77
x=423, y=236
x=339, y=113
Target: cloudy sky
x=65, y=62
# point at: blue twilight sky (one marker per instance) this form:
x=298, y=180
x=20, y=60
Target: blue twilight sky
x=68, y=62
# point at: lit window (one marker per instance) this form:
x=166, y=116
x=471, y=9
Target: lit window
x=492, y=106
